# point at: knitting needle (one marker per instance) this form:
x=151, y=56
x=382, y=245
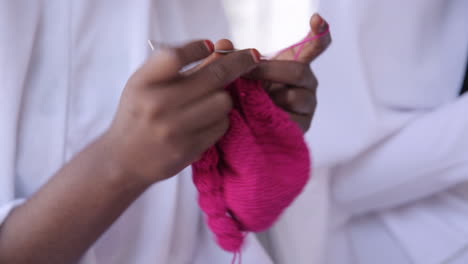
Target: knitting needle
x=153, y=46
x=226, y=51
x=150, y=43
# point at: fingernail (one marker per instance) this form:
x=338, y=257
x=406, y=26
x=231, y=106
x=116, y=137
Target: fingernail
x=256, y=55
x=210, y=45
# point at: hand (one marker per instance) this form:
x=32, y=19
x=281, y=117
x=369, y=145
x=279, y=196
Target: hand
x=167, y=119
x=292, y=84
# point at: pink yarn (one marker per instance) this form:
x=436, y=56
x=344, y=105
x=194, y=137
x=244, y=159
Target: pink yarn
x=302, y=44
x=255, y=171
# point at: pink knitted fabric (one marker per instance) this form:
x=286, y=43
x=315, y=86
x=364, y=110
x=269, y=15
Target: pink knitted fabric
x=255, y=171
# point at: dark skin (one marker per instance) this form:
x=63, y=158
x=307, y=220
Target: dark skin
x=165, y=121
x=291, y=84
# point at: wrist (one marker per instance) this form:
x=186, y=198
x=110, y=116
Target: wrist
x=116, y=171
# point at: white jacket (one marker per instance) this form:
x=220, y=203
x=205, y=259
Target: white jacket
x=63, y=65
x=392, y=131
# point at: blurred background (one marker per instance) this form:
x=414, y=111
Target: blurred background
x=269, y=25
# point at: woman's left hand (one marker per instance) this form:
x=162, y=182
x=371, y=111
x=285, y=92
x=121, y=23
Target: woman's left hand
x=291, y=83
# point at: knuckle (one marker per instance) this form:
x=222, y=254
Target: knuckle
x=308, y=80
x=312, y=105
x=326, y=42
x=291, y=104
x=245, y=58
x=219, y=72
x=153, y=105
x=199, y=48
x=313, y=102
x=166, y=132
x=263, y=69
x=178, y=154
x=309, y=101
x=319, y=46
x=300, y=72
x=293, y=97
x=179, y=53
x=147, y=106
x=224, y=101
x=139, y=106
x=313, y=82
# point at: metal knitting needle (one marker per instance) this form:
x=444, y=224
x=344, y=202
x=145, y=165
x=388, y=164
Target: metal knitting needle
x=153, y=46
x=221, y=51
x=150, y=43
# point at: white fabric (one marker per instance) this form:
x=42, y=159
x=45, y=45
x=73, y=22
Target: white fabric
x=6, y=209
x=392, y=132
x=299, y=235
x=63, y=65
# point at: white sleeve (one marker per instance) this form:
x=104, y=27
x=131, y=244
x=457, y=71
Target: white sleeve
x=425, y=157
x=5, y=209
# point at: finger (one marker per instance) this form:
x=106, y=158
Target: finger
x=210, y=135
x=287, y=72
x=223, y=44
x=225, y=70
x=166, y=64
x=316, y=47
x=298, y=100
x=320, y=40
x=304, y=121
x=202, y=140
x=206, y=111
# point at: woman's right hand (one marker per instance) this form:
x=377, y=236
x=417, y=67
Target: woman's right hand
x=164, y=122
x=166, y=119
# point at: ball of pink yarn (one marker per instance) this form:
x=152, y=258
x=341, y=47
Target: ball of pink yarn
x=255, y=171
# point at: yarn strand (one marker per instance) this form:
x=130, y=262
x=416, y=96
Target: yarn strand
x=301, y=44
x=237, y=256
x=234, y=258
